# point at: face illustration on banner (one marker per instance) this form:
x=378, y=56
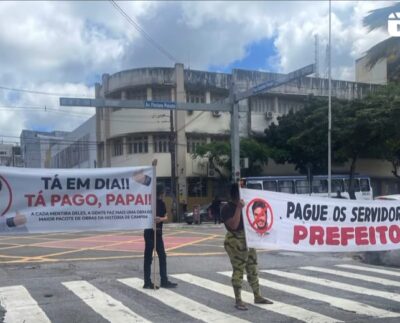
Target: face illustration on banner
x=5, y=196
x=260, y=216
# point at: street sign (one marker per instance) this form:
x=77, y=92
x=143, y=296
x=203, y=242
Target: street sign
x=160, y=104
x=138, y=104
x=76, y=102
x=263, y=87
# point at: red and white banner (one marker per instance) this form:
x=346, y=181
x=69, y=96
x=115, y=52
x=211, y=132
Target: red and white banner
x=44, y=200
x=317, y=224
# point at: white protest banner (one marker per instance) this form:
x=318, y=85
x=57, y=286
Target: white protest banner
x=317, y=224
x=44, y=200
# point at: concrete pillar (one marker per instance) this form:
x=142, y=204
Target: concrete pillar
x=208, y=97
x=180, y=119
x=149, y=92
x=173, y=95
x=107, y=121
x=276, y=105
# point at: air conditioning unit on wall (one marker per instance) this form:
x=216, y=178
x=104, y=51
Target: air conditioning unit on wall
x=269, y=115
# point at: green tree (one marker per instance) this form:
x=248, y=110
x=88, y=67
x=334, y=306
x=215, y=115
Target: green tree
x=360, y=128
x=219, y=156
x=301, y=138
x=388, y=48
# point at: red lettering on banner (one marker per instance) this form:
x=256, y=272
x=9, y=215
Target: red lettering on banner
x=317, y=235
x=128, y=199
x=300, y=233
x=332, y=236
x=361, y=236
x=346, y=233
x=394, y=233
x=55, y=199
x=382, y=233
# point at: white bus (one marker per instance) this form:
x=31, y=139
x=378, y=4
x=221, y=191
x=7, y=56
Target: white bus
x=319, y=186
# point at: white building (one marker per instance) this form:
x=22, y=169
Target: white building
x=77, y=149
x=376, y=75
x=10, y=155
x=35, y=147
x=129, y=137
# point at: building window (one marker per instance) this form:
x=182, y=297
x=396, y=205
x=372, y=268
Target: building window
x=138, y=145
x=161, y=94
x=161, y=143
x=137, y=94
x=118, y=147
x=197, y=187
x=195, y=97
x=193, y=142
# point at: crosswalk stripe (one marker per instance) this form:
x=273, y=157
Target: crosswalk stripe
x=330, y=283
x=371, y=279
x=278, y=307
x=108, y=307
x=371, y=269
x=20, y=306
x=341, y=303
x=182, y=303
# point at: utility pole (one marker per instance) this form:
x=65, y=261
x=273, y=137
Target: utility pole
x=173, y=164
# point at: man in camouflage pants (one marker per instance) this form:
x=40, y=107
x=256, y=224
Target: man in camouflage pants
x=240, y=256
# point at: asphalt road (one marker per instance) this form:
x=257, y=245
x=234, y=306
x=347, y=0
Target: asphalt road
x=97, y=277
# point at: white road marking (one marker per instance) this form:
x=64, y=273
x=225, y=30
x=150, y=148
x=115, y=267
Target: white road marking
x=20, y=306
x=371, y=269
x=382, y=281
x=330, y=283
x=108, y=307
x=182, y=303
x=342, y=303
x=278, y=307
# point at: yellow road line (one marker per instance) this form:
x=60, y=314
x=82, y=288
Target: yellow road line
x=189, y=243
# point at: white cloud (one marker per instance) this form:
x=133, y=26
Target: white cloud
x=65, y=46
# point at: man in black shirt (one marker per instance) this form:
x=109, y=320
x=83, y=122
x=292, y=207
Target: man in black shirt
x=161, y=216
x=240, y=256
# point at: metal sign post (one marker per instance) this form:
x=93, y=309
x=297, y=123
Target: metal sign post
x=232, y=106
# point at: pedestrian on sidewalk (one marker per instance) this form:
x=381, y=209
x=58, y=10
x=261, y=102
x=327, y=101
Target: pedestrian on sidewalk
x=240, y=256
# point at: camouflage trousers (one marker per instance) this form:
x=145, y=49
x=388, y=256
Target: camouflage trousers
x=242, y=258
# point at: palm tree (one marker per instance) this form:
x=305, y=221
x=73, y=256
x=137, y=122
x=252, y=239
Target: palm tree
x=388, y=48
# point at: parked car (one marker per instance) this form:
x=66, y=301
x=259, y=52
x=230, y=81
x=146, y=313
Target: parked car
x=394, y=197
x=205, y=214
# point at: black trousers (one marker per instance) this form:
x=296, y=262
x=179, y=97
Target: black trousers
x=148, y=255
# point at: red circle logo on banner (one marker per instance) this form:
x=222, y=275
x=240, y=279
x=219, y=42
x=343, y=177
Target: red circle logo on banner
x=5, y=196
x=260, y=216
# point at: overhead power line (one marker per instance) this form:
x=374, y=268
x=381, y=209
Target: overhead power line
x=143, y=32
x=40, y=92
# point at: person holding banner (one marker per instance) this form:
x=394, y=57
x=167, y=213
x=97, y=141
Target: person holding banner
x=240, y=256
x=161, y=216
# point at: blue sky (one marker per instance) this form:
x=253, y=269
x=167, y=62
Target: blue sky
x=258, y=57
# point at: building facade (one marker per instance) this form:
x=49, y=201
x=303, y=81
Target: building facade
x=35, y=147
x=10, y=155
x=130, y=137
x=375, y=75
x=78, y=149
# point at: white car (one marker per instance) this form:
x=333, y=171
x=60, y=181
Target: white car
x=394, y=197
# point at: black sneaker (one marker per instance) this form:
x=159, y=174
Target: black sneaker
x=150, y=286
x=169, y=284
